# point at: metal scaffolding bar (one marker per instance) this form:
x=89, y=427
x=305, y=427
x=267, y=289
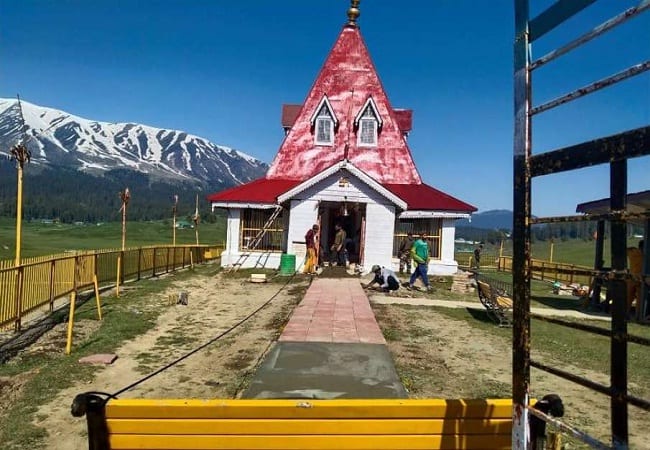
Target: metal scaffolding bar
x=618, y=289
x=629, y=144
x=521, y=229
x=612, y=215
x=591, y=329
x=600, y=29
x=554, y=15
x=601, y=388
x=593, y=87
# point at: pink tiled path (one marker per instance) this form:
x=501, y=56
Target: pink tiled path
x=333, y=310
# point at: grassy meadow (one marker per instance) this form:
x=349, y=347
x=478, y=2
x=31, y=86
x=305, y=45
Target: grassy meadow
x=54, y=238
x=572, y=251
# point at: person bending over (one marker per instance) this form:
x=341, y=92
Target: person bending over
x=386, y=279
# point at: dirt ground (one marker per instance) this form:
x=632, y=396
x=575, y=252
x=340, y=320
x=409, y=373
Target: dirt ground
x=436, y=356
x=219, y=371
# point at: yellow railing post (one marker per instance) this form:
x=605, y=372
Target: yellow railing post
x=18, y=300
x=73, y=300
x=97, y=300
x=52, y=274
x=550, y=258
x=139, y=261
x=117, y=280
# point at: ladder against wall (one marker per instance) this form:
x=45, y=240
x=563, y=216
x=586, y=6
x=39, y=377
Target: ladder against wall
x=255, y=242
x=613, y=150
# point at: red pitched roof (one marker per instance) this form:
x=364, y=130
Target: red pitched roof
x=348, y=78
x=404, y=119
x=261, y=190
x=289, y=115
x=425, y=197
x=417, y=196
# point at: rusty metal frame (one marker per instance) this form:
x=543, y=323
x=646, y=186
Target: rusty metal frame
x=593, y=87
x=613, y=150
x=629, y=144
x=597, y=31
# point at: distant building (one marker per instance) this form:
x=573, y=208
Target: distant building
x=344, y=159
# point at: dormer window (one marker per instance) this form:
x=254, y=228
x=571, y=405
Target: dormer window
x=324, y=127
x=368, y=128
x=324, y=123
x=368, y=124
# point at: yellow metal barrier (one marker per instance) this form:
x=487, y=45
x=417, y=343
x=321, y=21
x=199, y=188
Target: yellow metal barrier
x=548, y=270
x=35, y=285
x=300, y=424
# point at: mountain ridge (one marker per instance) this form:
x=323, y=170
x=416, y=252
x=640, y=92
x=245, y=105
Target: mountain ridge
x=493, y=219
x=74, y=157
x=58, y=137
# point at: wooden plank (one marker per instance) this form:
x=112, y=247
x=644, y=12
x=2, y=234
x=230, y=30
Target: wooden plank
x=309, y=427
x=504, y=302
x=399, y=442
x=301, y=409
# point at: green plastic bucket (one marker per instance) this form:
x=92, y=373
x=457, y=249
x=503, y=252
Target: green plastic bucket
x=287, y=264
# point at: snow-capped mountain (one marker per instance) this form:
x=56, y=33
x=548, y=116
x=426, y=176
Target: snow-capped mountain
x=57, y=138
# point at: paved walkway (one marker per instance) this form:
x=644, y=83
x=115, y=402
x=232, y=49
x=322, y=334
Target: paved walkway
x=333, y=310
x=332, y=347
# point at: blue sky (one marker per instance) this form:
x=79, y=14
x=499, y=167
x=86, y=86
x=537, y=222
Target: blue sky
x=221, y=70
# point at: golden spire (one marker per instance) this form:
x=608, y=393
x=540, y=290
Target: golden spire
x=353, y=13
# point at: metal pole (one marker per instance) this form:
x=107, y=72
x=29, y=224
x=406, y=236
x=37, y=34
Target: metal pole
x=124, y=227
x=19, y=213
x=174, y=220
x=618, y=287
x=521, y=229
x=125, y=195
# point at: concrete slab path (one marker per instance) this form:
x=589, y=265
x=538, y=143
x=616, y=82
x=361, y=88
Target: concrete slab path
x=332, y=347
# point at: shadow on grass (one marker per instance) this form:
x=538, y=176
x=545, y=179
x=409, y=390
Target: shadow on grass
x=480, y=314
x=559, y=302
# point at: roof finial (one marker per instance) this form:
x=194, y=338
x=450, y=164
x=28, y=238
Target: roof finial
x=353, y=13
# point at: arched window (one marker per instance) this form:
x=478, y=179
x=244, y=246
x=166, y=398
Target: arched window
x=368, y=123
x=324, y=127
x=324, y=123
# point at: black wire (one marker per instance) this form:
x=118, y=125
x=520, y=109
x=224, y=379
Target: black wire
x=211, y=341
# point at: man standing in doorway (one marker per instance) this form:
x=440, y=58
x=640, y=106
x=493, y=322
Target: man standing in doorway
x=420, y=254
x=311, y=241
x=337, y=250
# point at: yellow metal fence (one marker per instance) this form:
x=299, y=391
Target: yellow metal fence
x=552, y=271
x=38, y=282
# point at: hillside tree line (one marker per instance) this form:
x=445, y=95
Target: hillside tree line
x=69, y=195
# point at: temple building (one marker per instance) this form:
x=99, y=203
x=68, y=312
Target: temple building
x=344, y=160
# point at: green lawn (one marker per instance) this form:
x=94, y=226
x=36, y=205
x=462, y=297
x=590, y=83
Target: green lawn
x=46, y=239
x=573, y=251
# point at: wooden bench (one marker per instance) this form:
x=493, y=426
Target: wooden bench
x=498, y=304
x=296, y=424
